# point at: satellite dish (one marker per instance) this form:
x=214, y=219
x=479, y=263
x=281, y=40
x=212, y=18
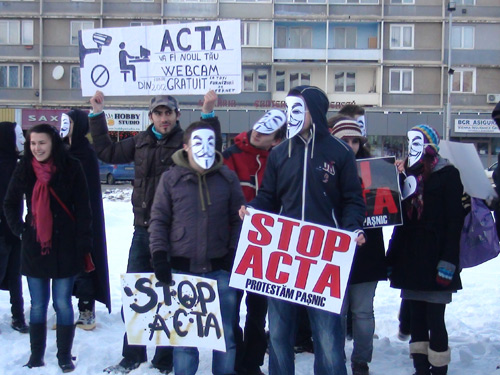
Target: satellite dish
x=58, y=72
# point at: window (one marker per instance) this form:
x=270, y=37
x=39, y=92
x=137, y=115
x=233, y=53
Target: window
x=464, y=80
x=256, y=34
x=345, y=82
x=402, y=36
x=345, y=37
x=9, y=75
x=255, y=80
x=462, y=37
x=143, y=1
x=77, y=26
x=401, y=80
x=245, y=1
x=16, y=32
x=140, y=23
x=466, y=2
x=402, y=1
x=75, y=78
x=27, y=76
x=88, y=1
x=299, y=79
x=186, y=1
x=293, y=37
x=280, y=80
x=354, y=1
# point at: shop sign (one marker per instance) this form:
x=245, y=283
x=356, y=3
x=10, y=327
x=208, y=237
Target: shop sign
x=478, y=125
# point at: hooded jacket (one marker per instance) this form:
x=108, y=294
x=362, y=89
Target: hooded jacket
x=315, y=179
x=195, y=218
x=248, y=162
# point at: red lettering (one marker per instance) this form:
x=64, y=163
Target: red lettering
x=258, y=221
x=286, y=233
x=366, y=177
x=329, y=278
x=251, y=259
x=303, y=272
x=317, y=241
x=384, y=199
x=272, y=268
x=335, y=241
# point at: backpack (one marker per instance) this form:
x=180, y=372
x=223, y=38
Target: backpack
x=479, y=238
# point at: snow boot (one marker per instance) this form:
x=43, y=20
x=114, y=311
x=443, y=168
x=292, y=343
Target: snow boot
x=418, y=352
x=65, y=335
x=19, y=325
x=439, y=361
x=38, y=338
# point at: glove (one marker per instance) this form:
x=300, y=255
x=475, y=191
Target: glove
x=445, y=272
x=89, y=264
x=162, y=268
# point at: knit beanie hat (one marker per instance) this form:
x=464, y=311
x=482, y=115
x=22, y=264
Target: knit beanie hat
x=431, y=137
x=348, y=128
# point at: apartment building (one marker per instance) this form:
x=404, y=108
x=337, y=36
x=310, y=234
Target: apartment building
x=390, y=56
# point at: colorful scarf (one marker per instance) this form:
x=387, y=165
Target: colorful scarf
x=42, y=220
x=416, y=201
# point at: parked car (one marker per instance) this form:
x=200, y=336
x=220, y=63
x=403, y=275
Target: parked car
x=111, y=173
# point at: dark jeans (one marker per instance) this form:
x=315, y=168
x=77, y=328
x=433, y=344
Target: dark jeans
x=251, y=344
x=427, y=324
x=10, y=274
x=139, y=260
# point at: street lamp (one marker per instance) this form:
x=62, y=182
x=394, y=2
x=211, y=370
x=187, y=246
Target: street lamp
x=452, y=6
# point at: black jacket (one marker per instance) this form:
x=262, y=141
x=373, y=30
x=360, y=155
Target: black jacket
x=369, y=260
x=71, y=240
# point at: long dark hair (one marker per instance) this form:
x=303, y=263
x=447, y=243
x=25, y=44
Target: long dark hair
x=58, y=152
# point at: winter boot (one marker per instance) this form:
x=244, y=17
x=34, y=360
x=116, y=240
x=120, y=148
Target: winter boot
x=19, y=325
x=418, y=352
x=38, y=337
x=439, y=361
x=65, y=336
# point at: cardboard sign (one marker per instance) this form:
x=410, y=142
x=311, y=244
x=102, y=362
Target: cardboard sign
x=184, y=314
x=177, y=59
x=379, y=180
x=293, y=260
x=126, y=120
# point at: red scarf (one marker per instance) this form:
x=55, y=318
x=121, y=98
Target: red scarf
x=40, y=204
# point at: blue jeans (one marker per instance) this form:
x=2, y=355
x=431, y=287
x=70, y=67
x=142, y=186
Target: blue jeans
x=327, y=336
x=186, y=359
x=61, y=299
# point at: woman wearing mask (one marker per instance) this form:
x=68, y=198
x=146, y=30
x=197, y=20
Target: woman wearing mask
x=423, y=254
x=56, y=235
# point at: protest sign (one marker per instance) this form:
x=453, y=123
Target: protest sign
x=187, y=313
x=293, y=260
x=174, y=59
x=379, y=181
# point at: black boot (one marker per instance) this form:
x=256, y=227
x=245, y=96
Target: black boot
x=38, y=337
x=65, y=336
x=421, y=364
x=439, y=361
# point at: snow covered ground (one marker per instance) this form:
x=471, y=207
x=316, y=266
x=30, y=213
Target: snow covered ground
x=473, y=321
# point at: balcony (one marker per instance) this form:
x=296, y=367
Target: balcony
x=368, y=54
x=300, y=54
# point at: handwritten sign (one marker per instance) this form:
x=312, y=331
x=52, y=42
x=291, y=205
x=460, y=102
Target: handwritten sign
x=184, y=314
x=175, y=59
x=293, y=260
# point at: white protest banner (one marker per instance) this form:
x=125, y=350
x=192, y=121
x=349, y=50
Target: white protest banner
x=126, y=120
x=293, y=260
x=175, y=59
x=187, y=313
x=464, y=156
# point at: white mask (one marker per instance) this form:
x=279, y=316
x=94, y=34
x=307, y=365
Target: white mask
x=409, y=187
x=65, y=125
x=295, y=115
x=362, y=125
x=415, y=147
x=270, y=122
x=203, y=147
x=19, y=138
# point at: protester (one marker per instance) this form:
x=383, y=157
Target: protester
x=368, y=265
x=247, y=157
x=56, y=235
x=198, y=197
x=357, y=113
x=311, y=176
x=92, y=286
x=11, y=142
x=423, y=254
x=495, y=115
x=151, y=151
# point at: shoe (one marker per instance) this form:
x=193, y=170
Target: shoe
x=360, y=368
x=348, y=336
x=86, y=320
x=251, y=371
x=19, y=325
x=305, y=346
x=124, y=367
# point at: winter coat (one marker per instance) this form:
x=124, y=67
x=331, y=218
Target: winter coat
x=314, y=180
x=417, y=246
x=248, y=162
x=195, y=218
x=151, y=157
x=71, y=239
x=369, y=260
x=82, y=150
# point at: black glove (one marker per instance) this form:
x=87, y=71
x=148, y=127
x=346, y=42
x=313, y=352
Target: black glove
x=161, y=265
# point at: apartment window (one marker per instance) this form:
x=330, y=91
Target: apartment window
x=256, y=34
x=401, y=80
x=75, y=78
x=464, y=80
x=76, y=26
x=255, y=80
x=354, y=1
x=140, y=23
x=345, y=37
x=345, y=82
x=402, y=36
x=299, y=78
x=462, y=37
x=402, y=1
x=16, y=32
x=9, y=75
x=293, y=37
x=27, y=76
x=466, y=2
x=280, y=80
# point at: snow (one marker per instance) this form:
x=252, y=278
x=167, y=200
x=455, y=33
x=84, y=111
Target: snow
x=473, y=321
